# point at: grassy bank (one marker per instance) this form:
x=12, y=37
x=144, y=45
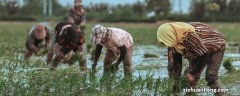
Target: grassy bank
x=143, y=33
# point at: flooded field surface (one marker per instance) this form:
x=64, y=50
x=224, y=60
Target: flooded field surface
x=19, y=77
x=155, y=66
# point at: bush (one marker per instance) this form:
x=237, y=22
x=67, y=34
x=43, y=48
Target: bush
x=17, y=18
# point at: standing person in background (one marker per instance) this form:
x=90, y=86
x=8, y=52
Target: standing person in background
x=36, y=35
x=77, y=14
x=201, y=44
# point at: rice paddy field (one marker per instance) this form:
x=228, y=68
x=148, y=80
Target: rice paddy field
x=20, y=77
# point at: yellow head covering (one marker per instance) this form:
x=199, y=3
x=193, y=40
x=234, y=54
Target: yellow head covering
x=171, y=34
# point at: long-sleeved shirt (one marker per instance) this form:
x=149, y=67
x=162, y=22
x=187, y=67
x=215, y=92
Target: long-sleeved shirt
x=118, y=37
x=205, y=39
x=32, y=41
x=76, y=18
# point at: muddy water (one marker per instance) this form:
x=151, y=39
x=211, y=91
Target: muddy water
x=141, y=66
x=156, y=67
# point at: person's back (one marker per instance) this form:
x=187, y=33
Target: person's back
x=122, y=36
x=211, y=37
x=201, y=44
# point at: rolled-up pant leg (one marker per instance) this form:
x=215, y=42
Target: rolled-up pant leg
x=212, y=70
x=108, y=60
x=127, y=62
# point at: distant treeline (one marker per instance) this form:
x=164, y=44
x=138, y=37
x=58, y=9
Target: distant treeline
x=147, y=11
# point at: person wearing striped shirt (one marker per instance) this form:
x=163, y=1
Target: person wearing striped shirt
x=201, y=44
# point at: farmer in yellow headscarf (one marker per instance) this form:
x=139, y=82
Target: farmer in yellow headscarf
x=200, y=43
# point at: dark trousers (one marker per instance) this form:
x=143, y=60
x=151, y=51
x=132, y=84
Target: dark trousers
x=211, y=61
x=127, y=61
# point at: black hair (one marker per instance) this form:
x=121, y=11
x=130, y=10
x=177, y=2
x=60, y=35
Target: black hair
x=69, y=34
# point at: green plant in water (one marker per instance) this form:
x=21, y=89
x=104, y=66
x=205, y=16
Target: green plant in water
x=228, y=65
x=147, y=55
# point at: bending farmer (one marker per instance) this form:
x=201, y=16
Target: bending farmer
x=200, y=43
x=118, y=43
